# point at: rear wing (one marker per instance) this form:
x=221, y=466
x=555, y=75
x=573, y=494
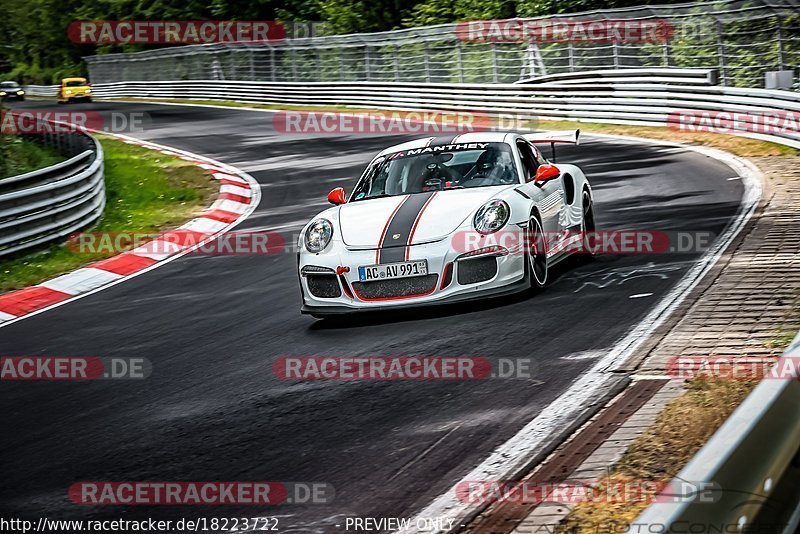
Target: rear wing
x=551, y=138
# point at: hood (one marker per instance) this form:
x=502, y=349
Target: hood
x=418, y=218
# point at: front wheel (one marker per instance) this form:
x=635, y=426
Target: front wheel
x=536, y=253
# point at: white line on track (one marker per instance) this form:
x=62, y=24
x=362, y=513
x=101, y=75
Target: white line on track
x=650, y=376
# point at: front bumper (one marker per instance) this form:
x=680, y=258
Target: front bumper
x=75, y=96
x=330, y=311
x=343, y=263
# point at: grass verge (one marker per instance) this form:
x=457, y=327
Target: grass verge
x=736, y=145
x=680, y=430
x=146, y=192
x=18, y=156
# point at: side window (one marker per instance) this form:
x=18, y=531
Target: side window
x=529, y=160
x=538, y=157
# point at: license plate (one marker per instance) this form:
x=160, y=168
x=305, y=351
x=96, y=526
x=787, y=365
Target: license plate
x=367, y=273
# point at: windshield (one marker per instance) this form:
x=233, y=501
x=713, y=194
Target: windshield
x=75, y=83
x=9, y=85
x=438, y=168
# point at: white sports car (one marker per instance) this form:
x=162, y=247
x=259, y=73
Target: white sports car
x=443, y=220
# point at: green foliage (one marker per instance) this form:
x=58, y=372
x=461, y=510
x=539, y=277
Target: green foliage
x=33, y=33
x=18, y=156
x=146, y=192
x=444, y=11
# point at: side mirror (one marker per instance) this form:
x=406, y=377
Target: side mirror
x=545, y=173
x=336, y=196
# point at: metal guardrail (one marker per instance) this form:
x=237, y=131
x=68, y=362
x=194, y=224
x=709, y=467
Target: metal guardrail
x=605, y=97
x=741, y=38
x=42, y=90
x=748, y=475
x=49, y=204
x=629, y=76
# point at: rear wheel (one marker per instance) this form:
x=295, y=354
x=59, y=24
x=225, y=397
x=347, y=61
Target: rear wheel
x=536, y=253
x=588, y=227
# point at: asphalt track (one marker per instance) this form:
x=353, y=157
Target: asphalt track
x=212, y=326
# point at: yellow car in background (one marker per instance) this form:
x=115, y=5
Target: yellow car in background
x=74, y=89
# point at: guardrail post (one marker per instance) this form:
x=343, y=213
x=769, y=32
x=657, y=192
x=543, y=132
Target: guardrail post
x=495, y=74
x=615, y=52
x=721, y=52
x=571, y=52
x=426, y=61
x=460, y=64
x=252, y=66
x=396, y=62
x=667, y=58
x=779, y=42
x=366, y=62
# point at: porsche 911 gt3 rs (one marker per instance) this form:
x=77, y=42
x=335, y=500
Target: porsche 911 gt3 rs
x=443, y=220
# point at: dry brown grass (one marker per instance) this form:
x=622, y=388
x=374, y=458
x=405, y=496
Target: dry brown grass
x=680, y=430
x=739, y=146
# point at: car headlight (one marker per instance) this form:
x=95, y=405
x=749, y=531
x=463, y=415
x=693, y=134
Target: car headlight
x=318, y=235
x=491, y=217
x=20, y=93
x=2, y=93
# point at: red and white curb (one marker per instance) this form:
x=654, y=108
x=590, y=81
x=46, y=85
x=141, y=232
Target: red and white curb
x=239, y=194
